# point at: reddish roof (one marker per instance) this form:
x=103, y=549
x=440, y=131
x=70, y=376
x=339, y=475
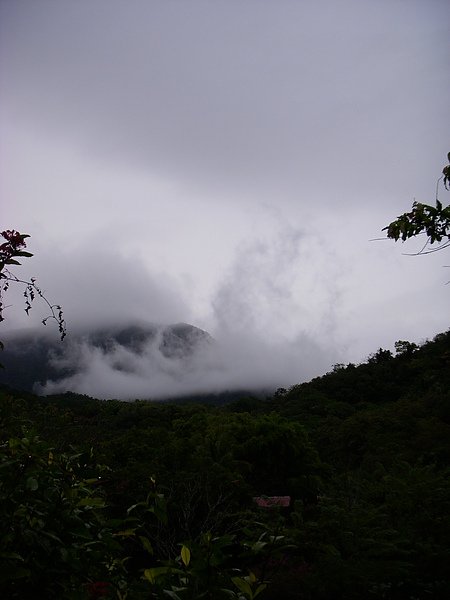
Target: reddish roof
x=269, y=501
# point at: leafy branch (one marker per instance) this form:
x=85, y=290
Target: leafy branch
x=433, y=221
x=10, y=250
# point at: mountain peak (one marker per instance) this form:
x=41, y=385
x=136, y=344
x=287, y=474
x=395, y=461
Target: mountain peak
x=31, y=361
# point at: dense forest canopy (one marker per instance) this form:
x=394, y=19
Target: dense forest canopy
x=156, y=500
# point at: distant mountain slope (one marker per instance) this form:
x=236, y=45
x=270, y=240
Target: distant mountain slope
x=32, y=358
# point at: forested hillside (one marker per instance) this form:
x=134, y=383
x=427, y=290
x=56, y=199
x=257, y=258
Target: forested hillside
x=169, y=500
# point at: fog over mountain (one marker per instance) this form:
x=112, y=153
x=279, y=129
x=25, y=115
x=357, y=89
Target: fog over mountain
x=272, y=325
x=148, y=361
x=277, y=319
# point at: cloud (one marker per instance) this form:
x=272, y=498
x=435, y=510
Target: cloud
x=285, y=284
x=120, y=372
x=239, y=362
x=257, y=97
x=284, y=312
x=97, y=285
x=260, y=341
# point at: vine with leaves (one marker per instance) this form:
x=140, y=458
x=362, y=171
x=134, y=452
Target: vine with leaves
x=12, y=249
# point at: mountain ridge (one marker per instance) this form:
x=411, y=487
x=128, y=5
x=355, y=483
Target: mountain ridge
x=31, y=358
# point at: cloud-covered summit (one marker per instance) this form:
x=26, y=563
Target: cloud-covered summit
x=155, y=362
x=94, y=362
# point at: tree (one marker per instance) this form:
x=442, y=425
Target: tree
x=405, y=348
x=434, y=221
x=10, y=250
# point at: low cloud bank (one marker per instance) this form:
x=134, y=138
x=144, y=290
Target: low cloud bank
x=272, y=324
x=235, y=362
x=272, y=320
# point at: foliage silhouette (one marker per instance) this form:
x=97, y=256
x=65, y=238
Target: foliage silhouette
x=12, y=249
x=434, y=221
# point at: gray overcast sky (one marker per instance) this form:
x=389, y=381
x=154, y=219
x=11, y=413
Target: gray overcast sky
x=227, y=162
